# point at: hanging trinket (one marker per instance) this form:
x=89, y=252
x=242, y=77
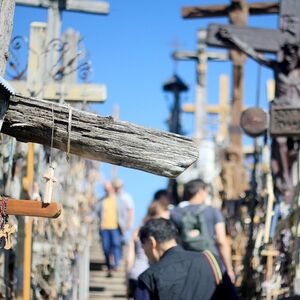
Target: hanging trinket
x=6, y=230
x=50, y=180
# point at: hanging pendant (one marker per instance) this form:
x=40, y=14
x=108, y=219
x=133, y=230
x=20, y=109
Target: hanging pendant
x=50, y=180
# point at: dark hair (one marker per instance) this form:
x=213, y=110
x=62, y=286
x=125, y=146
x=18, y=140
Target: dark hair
x=162, y=230
x=192, y=187
x=155, y=208
x=160, y=193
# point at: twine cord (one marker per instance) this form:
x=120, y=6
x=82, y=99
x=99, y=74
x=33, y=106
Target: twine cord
x=69, y=133
x=52, y=136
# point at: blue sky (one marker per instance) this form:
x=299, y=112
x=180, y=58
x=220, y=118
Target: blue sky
x=130, y=51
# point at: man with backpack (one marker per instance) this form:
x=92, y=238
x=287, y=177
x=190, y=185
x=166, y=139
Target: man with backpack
x=201, y=227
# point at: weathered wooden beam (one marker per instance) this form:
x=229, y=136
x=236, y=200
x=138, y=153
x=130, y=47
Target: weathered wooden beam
x=33, y=208
x=99, y=138
x=255, y=8
x=72, y=92
x=92, y=7
x=88, y=6
x=262, y=40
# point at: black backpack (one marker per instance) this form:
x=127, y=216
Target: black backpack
x=193, y=233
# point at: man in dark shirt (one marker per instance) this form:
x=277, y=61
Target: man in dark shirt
x=175, y=273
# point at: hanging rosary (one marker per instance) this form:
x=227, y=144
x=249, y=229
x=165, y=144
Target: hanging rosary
x=6, y=230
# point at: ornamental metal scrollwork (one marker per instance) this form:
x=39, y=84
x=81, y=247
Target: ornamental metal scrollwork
x=62, y=67
x=16, y=69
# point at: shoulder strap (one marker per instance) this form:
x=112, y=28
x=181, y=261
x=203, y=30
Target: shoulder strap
x=201, y=219
x=214, y=265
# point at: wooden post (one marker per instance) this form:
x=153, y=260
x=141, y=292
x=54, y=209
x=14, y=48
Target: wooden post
x=269, y=212
x=28, y=227
x=7, y=9
x=222, y=109
x=237, y=16
x=297, y=241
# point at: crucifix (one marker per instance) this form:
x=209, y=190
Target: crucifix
x=286, y=105
x=201, y=56
x=238, y=11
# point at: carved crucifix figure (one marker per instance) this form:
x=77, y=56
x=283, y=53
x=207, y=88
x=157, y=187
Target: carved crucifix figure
x=286, y=68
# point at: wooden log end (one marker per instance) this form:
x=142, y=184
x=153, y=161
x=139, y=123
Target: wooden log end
x=33, y=208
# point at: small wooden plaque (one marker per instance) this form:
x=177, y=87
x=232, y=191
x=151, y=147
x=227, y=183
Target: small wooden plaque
x=285, y=121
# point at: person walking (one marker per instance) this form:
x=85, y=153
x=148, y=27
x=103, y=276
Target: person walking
x=202, y=227
x=125, y=206
x=109, y=228
x=175, y=273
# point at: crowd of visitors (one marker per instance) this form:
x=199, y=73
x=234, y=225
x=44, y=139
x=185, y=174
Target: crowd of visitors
x=178, y=252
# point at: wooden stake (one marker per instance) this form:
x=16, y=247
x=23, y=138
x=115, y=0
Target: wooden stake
x=33, y=208
x=27, y=258
x=7, y=9
x=28, y=226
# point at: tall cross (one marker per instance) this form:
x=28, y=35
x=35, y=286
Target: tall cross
x=285, y=108
x=201, y=56
x=55, y=9
x=67, y=88
x=238, y=11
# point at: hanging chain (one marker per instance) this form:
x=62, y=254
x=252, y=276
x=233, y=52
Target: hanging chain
x=3, y=212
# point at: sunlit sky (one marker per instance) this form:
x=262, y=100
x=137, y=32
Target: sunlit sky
x=130, y=50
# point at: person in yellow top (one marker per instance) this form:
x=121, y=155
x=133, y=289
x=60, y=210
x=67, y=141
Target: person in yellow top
x=109, y=228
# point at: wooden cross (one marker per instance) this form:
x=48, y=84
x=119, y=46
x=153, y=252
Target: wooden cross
x=238, y=12
x=222, y=109
x=50, y=180
x=98, y=138
x=38, y=85
x=270, y=253
x=201, y=56
x=55, y=9
x=285, y=108
x=6, y=232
